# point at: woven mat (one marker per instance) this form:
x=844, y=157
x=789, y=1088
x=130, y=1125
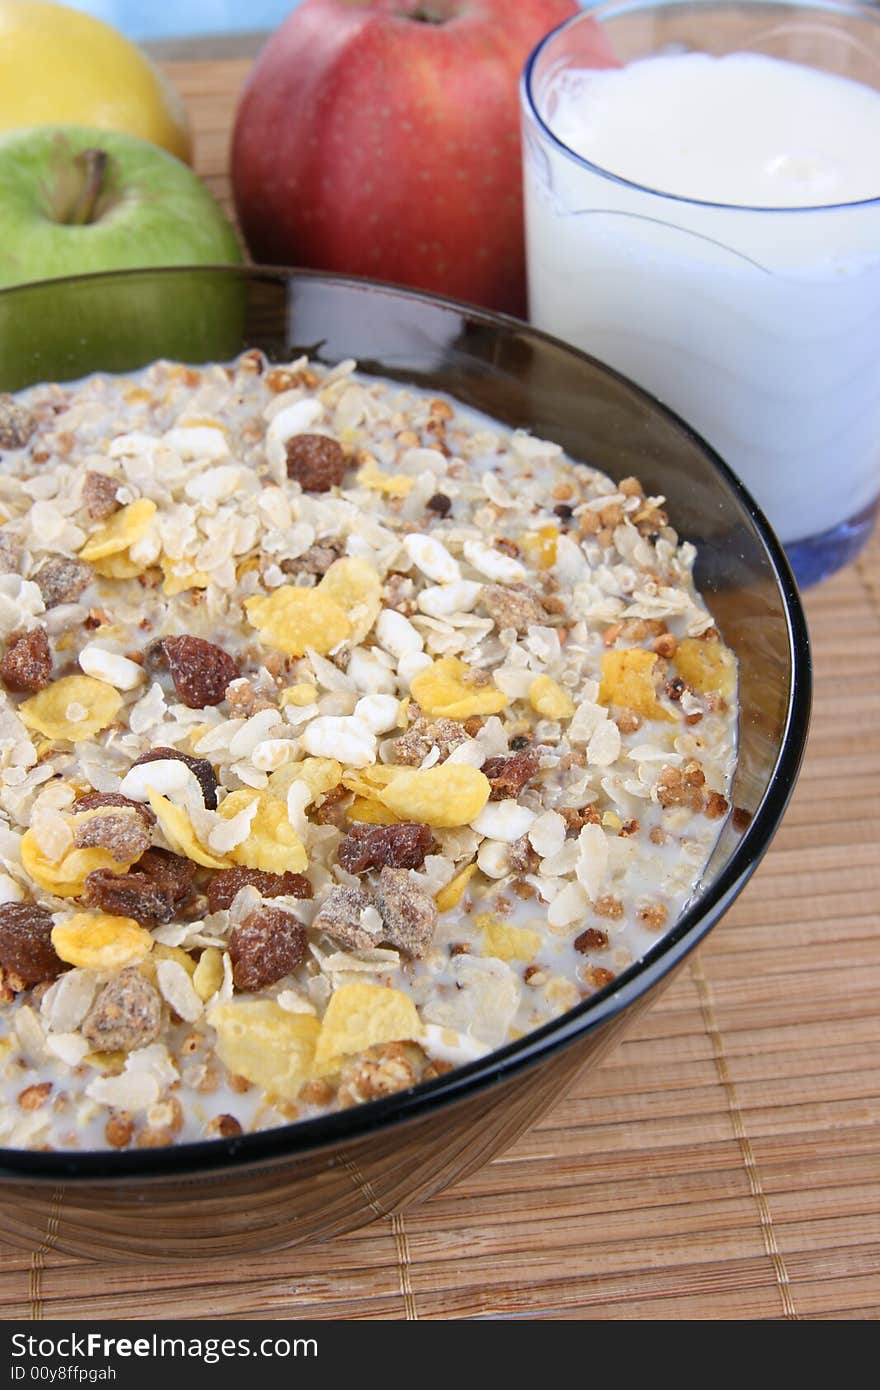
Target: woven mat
x=731, y=1167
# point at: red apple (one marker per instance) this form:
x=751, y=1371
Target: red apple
x=381, y=138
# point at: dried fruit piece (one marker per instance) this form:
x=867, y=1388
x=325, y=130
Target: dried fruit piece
x=409, y=913
x=152, y=892
x=65, y=878
x=402, y=846
x=593, y=939
x=315, y=461
x=266, y=946
x=708, y=667
x=512, y=606
x=260, y=1041
x=444, y=796
x=200, y=670
x=360, y=1016
x=356, y=588
x=451, y=894
x=27, y=661
x=453, y=689
x=122, y=832
x=75, y=707
x=99, y=495
x=126, y=1015
x=99, y=941
x=628, y=680
x=292, y=619
x=509, y=775
x=549, y=699
x=203, y=770
x=121, y=531
x=90, y=801
x=180, y=834
x=17, y=424
x=340, y=916
x=504, y=941
x=272, y=844
x=27, y=956
x=224, y=886
x=61, y=580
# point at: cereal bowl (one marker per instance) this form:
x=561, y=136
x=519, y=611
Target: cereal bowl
x=301, y=1181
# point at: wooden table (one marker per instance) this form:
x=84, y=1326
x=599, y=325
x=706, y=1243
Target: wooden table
x=731, y=1168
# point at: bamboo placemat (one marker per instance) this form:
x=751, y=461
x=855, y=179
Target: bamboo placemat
x=731, y=1164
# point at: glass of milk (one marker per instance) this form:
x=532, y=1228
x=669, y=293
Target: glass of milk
x=702, y=189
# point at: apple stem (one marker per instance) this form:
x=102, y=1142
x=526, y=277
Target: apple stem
x=93, y=165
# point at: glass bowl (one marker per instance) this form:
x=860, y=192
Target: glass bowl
x=310, y=1180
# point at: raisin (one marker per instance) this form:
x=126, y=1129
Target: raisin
x=593, y=939
x=122, y=832
x=519, y=743
x=127, y=1014
x=17, y=424
x=99, y=495
x=268, y=945
x=224, y=886
x=204, y=772
x=409, y=913
x=315, y=461
x=340, y=917
x=401, y=846
x=564, y=511
x=27, y=661
x=439, y=503
x=151, y=892
x=26, y=951
x=61, y=580
x=331, y=810
x=90, y=801
x=509, y=775
x=200, y=671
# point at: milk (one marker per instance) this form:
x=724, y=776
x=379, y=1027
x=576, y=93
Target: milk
x=759, y=320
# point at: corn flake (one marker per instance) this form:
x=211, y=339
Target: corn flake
x=370, y=812
x=175, y=953
x=391, y=484
x=707, y=667
x=67, y=877
x=451, y=689
x=319, y=774
x=355, y=586
x=74, y=707
x=549, y=699
x=505, y=942
x=179, y=579
x=298, y=695
x=120, y=566
x=178, y=830
x=360, y=1016
x=451, y=894
x=123, y=529
x=445, y=796
x=208, y=974
x=99, y=941
x=272, y=844
x=265, y=1044
x=628, y=680
x=539, y=546
x=292, y=619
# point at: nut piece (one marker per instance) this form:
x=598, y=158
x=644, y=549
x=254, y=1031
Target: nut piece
x=200, y=670
x=17, y=424
x=408, y=913
x=225, y=884
x=512, y=605
x=204, y=772
x=61, y=580
x=152, y=892
x=316, y=560
x=268, y=945
x=509, y=775
x=315, y=461
x=27, y=955
x=380, y=1071
x=593, y=939
x=99, y=495
x=127, y=1014
x=27, y=661
x=423, y=735
x=340, y=917
x=10, y=554
x=223, y=1127
x=402, y=846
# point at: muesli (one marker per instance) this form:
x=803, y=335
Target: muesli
x=345, y=735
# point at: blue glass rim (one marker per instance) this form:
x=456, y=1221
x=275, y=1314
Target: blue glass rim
x=616, y=8
x=302, y=1138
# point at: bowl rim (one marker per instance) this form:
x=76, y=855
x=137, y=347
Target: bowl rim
x=301, y=1138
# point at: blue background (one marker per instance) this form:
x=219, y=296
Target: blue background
x=147, y=19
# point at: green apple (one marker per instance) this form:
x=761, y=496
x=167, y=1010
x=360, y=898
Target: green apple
x=76, y=200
